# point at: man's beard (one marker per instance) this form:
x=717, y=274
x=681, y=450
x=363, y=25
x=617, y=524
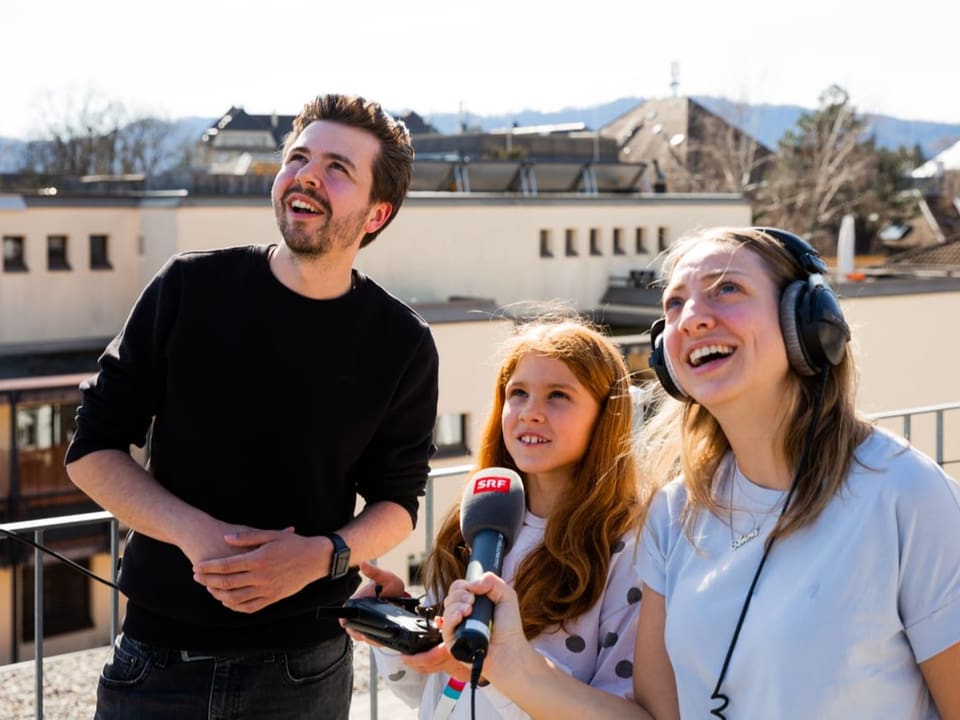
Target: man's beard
x=332, y=233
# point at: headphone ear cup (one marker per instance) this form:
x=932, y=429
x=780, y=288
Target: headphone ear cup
x=789, y=327
x=825, y=331
x=660, y=361
x=811, y=321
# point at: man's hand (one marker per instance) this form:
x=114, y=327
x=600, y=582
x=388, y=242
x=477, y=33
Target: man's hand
x=391, y=585
x=262, y=567
x=207, y=540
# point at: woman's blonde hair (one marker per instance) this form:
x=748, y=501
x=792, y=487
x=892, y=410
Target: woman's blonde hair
x=683, y=437
x=566, y=575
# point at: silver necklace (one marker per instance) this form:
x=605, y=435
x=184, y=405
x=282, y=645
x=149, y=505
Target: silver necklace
x=757, y=521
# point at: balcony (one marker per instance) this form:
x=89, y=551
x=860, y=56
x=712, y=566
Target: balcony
x=926, y=427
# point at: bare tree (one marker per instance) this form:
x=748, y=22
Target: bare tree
x=91, y=135
x=143, y=147
x=823, y=169
x=726, y=158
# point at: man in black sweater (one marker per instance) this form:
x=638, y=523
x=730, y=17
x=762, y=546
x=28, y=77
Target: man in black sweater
x=276, y=383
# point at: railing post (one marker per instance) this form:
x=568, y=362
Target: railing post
x=38, y=623
x=428, y=516
x=115, y=576
x=940, y=438
x=374, y=709
x=15, y=583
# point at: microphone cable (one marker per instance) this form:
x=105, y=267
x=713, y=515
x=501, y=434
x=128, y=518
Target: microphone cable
x=475, y=671
x=60, y=557
x=722, y=698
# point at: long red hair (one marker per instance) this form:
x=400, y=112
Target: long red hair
x=566, y=575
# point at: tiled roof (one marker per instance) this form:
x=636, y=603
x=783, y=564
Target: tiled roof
x=238, y=119
x=945, y=256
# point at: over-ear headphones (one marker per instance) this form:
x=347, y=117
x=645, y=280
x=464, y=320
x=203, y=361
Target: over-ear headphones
x=815, y=333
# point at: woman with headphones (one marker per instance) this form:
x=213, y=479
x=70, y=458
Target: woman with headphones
x=804, y=564
x=801, y=563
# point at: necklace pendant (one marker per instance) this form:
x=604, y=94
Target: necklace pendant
x=744, y=539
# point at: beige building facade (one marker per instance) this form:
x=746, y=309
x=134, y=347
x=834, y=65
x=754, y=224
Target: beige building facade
x=467, y=262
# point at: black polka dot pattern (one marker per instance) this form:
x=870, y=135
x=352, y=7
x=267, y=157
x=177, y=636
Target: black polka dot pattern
x=634, y=594
x=609, y=640
x=576, y=644
x=624, y=669
x=619, y=546
x=397, y=675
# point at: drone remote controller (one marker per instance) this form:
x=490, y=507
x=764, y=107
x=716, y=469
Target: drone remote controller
x=387, y=623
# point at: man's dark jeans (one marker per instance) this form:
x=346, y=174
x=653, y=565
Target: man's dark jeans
x=146, y=682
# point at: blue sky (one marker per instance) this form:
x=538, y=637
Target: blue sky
x=180, y=58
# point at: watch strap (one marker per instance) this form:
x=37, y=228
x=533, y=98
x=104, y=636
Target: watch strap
x=340, y=560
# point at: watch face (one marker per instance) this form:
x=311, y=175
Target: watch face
x=341, y=563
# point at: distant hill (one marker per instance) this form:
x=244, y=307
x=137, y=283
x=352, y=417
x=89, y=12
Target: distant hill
x=9, y=154
x=767, y=123
x=593, y=116
x=184, y=133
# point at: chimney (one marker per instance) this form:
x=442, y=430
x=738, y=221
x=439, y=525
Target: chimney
x=846, y=246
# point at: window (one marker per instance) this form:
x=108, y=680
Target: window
x=571, y=242
x=66, y=600
x=99, y=259
x=44, y=426
x=595, y=242
x=546, y=242
x=641, y=247
x=618, y=242
x=57, y=252
x=450, y=435
x=13, y=254
x=662, y=238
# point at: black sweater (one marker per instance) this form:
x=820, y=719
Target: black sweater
x=270, y=409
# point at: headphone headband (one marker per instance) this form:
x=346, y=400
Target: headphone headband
x=802, y=251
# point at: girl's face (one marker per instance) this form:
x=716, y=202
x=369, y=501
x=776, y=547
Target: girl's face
x=723, y=328
x=548, y=416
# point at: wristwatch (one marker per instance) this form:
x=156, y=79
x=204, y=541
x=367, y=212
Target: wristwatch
x=340, y=562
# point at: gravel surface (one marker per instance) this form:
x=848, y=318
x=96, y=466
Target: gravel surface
x=70, y=688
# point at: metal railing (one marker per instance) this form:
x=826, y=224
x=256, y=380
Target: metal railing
x=907, y=426
x=38, y=527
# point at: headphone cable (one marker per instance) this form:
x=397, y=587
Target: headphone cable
x=804, y=459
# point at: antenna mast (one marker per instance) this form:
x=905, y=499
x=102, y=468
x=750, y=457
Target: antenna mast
x=674, y=77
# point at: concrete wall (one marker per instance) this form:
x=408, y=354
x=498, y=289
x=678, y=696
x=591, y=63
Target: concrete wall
x=437, y=248
x=907, y=348
x=48, y=305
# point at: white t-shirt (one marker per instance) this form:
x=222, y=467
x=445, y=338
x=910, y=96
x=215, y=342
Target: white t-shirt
x=596, y=648
x=844, y=609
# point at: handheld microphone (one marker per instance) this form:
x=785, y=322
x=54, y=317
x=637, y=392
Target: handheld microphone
x=491, y=515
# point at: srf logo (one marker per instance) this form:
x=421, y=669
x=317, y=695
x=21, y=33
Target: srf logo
x=491, y=484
